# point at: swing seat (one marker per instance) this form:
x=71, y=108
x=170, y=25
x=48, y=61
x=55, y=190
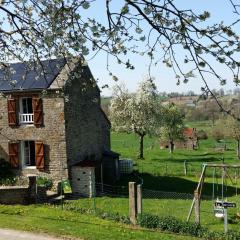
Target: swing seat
x=219, y=212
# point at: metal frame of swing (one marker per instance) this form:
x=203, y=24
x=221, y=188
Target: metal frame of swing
x=198, y=191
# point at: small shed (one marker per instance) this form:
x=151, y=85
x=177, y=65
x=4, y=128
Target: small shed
x=83, y=179
x=110, y=165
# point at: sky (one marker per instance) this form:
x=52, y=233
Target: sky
x=220, y=10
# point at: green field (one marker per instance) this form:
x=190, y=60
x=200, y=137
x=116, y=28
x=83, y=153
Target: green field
x=165, y=172
x=160, y=172
x=58, y=222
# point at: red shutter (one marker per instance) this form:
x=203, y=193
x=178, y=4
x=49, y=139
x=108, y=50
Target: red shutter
x=37, y=112
x=13, y=154
x=12, y=112
x=39, y=151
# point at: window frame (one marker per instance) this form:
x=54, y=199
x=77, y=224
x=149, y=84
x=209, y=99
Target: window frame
x=21, y=105
x=23, y=156
x=20, y=111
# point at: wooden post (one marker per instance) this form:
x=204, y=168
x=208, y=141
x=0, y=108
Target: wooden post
x=197, y=207
x=32, y=189
x=139, y=199
x=200, y=183
x=185, y=167
x=133, y=202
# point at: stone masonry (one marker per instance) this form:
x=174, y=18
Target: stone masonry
x=75, y=128
x=52, y=133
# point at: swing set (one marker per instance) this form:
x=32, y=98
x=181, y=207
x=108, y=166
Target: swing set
x=221, y=204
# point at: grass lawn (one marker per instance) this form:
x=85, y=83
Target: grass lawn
x=67, y=223
x=165, y=172
x=160, y=171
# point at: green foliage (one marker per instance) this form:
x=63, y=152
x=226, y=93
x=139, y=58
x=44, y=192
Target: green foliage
x=202, y=135
x=113, y=216
x=172, y=124
x=135, y=113
x=7, y=176
x=174, y=225
x=170, y=224
x=45, y=182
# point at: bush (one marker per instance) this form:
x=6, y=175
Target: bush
x=7, y=176
x=217, y=134
x=45, y=182
x=202, y=135
x=174, y=225
x=113, y=216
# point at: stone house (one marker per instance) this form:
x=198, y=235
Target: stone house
x=51, y=123
x=189, y=141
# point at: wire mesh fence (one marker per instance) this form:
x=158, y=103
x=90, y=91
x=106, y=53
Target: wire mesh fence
x=112, y=200
x=177, y=205
x=109, y=199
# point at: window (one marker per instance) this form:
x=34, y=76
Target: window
x=26, y=111
x=27, y=105
x=28, y=153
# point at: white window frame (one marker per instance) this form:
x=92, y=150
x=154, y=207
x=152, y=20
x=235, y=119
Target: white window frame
x=23, y=164
x=25, y=118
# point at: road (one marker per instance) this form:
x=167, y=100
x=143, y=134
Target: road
x=7, y=234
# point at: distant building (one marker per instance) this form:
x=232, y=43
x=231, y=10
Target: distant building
x=188, y=101
x=190, y=140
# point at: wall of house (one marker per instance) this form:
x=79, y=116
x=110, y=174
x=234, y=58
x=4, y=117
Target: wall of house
x=52, y=134
x=87, y=128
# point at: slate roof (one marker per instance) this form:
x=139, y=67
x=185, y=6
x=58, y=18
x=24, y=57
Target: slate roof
x=29, y=76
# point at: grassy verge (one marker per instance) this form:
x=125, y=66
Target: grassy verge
x=66, y=223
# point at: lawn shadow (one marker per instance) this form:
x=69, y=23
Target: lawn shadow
x=181, y=185
x=188, y=159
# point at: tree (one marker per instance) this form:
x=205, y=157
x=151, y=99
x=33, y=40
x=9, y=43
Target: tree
x=233, y=130
x=135, y=112
x=32, y=30
x=228, y=127
x=173, y=125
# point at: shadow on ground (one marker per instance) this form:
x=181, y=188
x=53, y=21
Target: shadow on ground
x=178, y=185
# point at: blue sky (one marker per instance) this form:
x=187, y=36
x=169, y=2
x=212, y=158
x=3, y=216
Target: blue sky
x=220, y=10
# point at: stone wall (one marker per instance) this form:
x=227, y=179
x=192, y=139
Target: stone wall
x=52, y=134
x=14, y=195
x=87, y=129
x=22, y=194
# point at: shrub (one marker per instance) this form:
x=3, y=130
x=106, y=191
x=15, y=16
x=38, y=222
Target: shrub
x=174, y=225
x=7, y=176
x=113, y=216
x=217, y=134
x=45, y=182
x=202, y=135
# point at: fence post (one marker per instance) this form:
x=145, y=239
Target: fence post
x=185, y=167
x=32, y=189
x=133, y=202
x=197, y=207
x=139, y=199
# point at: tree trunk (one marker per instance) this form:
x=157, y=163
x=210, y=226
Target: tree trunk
x=141, y=146
x=238, y=148
x=171, y=146
x=213, y=120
